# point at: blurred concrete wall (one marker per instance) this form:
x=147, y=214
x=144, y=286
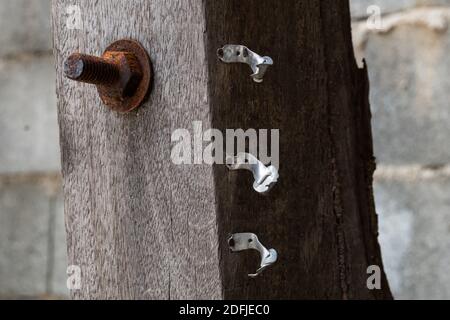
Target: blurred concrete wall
x=409, y=68
x=408, y=56
x=32, y=240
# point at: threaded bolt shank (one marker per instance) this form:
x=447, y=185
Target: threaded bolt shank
x=90, y=69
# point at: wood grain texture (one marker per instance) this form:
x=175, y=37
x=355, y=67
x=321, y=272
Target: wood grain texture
x=143, y=228
x=138, y=226
x=320, y=216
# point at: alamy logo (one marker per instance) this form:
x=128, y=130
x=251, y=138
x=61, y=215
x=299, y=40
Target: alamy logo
x=73, y=21
x=74, y=278
x=374, y=280
x=215, y=147
x=375, y=20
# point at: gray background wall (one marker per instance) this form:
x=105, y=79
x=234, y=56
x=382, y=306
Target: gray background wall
x=410, y=89
x=32, y=240
x=409, y=68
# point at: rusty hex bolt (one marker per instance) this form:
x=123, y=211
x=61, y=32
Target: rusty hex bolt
x=122, y=75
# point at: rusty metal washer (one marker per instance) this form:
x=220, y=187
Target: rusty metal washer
x=123, y=74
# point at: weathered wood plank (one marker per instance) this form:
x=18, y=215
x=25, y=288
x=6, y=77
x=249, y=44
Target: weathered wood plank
x=320, y=215
x=138, y=226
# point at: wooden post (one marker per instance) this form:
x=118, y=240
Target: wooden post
x=140, y=227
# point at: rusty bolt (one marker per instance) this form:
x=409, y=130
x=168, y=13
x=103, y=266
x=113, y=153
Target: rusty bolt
x=122, y=75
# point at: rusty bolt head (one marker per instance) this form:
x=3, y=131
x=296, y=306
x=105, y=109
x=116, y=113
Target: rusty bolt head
x=122, y=75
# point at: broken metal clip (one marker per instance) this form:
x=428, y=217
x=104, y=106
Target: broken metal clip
x=249, y=241
x=265, y=177
x=240, y=54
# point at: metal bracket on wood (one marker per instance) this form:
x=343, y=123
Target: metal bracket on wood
x=249, y=241
x=265, y=177
x=240, y=54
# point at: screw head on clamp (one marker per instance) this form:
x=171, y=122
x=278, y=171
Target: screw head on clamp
x=122, y=75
